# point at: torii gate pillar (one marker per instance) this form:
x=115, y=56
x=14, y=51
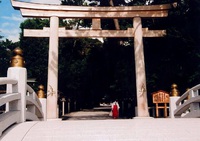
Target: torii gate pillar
x=140, y=69
x=52, y=110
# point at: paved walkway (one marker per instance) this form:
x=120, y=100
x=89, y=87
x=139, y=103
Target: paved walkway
x=87, y=115
x=137, y=129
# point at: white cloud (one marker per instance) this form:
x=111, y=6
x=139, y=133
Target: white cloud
x=14, y=17
x=11, y=34
x=10, y=27
x=6, y=24
x=13, y=38
x=10, y=30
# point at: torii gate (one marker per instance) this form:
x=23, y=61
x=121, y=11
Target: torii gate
x=54, y=12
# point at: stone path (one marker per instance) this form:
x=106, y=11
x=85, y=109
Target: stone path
x=97, y=113
x=87, y=115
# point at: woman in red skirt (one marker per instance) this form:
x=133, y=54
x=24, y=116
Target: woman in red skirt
x=115, y=109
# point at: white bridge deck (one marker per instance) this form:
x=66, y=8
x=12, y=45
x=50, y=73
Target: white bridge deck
x=148, y=129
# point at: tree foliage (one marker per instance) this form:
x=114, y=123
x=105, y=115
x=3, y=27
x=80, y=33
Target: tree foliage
x=35, y=50
x=6, y=47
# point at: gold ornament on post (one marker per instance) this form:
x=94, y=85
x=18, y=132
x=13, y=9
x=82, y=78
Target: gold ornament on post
x=174, y=90
x=17, y=60
x=40, y=92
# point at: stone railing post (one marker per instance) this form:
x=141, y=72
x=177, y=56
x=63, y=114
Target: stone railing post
x=43, y=101
x=194, y=105
x=172, y=105
x=173, y=98
x=16, y=71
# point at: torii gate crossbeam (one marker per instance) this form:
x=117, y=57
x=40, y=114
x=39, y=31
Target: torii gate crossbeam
x=54, y=12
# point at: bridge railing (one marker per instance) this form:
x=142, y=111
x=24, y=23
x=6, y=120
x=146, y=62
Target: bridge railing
x=33, y=106
x=12, y=116
x=22, y=103
x=188, y=105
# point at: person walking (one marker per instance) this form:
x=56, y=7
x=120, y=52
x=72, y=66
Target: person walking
x=115, y=109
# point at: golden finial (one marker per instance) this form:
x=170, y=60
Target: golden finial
x=174, y=90
x=17, y=60
x=40, y=92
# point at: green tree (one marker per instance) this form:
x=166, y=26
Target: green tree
x=6, y=48
x=35, y=50
x=169, y=59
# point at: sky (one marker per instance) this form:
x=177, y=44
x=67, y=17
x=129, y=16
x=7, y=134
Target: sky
x=10, y=19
